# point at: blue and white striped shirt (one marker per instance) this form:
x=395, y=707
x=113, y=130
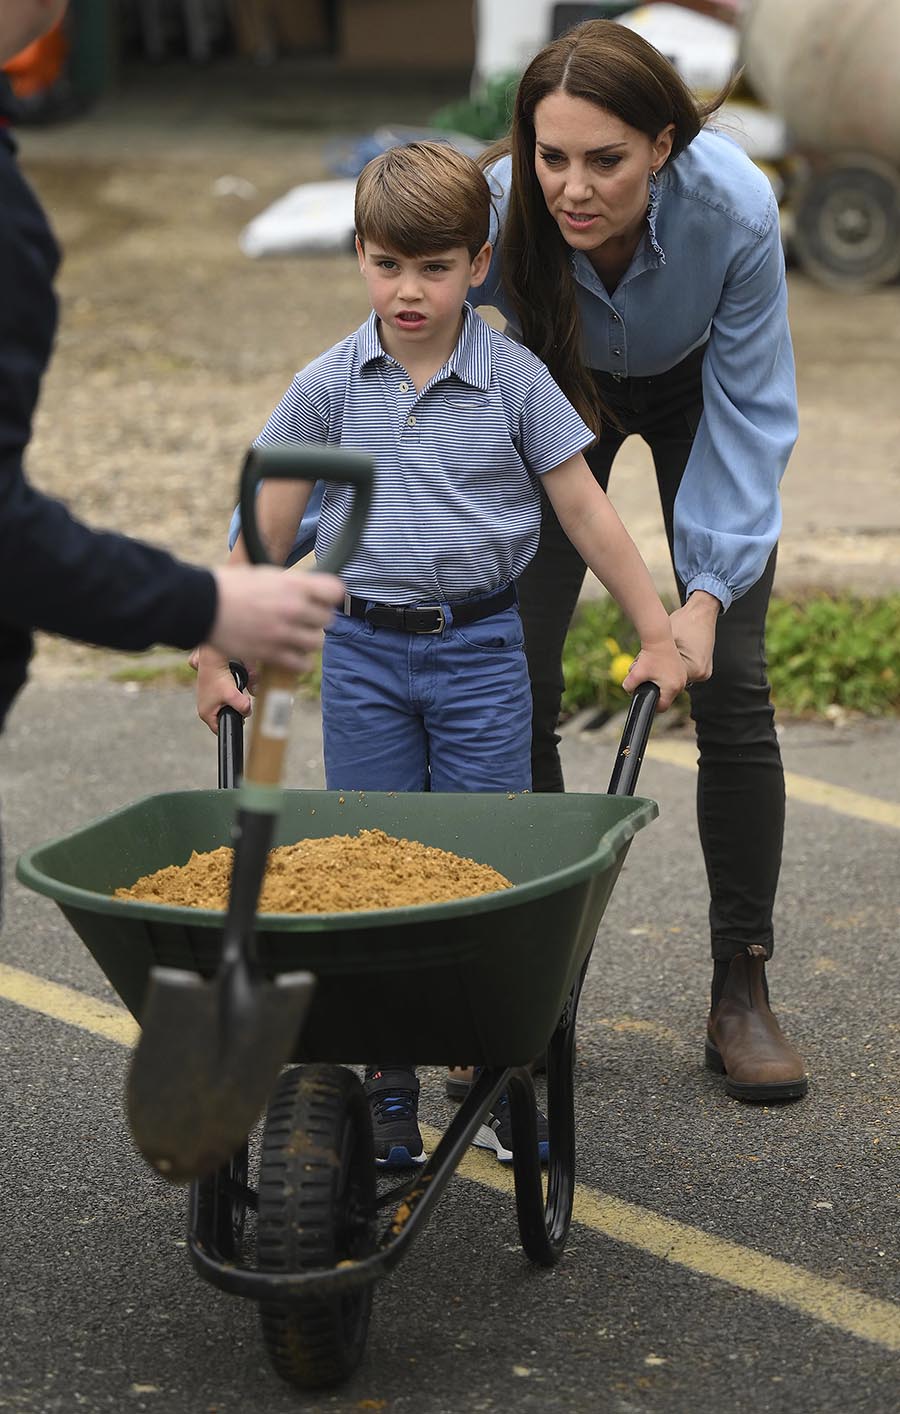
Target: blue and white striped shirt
x=456, y=509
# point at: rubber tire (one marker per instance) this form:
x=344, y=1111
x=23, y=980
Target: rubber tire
x=316, y=1209
x=226, y=1211
x=846, y=222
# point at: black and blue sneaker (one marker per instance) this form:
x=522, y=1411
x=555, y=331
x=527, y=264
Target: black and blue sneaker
x=393, y=1095
x=496, y=1133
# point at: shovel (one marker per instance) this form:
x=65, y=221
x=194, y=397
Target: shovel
x=210, y=1051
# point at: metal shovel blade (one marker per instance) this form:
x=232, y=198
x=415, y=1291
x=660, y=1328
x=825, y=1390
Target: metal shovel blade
x=189, y=1115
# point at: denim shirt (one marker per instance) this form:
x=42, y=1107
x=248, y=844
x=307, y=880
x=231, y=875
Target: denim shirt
x=709, y=268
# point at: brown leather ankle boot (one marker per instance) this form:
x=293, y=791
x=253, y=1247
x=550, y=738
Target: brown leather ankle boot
x=744, y=1041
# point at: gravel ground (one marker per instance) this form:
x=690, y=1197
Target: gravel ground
x=174, y=346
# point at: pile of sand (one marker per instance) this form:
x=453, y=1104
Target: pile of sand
x=339, y=874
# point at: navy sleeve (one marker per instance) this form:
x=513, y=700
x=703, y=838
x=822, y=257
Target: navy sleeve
x=55, y=573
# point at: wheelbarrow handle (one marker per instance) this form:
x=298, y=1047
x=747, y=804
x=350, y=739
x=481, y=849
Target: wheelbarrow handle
x=633, y=744
x=231, y=735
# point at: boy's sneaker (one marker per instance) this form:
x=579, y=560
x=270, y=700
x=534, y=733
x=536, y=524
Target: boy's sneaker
x=496, y=1134
x=393, y=1095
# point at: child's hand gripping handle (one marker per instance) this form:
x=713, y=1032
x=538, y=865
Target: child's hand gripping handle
x=294, y=461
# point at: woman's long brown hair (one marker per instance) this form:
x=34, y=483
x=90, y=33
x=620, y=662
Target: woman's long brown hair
x=614, y=68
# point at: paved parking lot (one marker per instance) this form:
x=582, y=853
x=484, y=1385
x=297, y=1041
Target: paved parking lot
x=723, y=1257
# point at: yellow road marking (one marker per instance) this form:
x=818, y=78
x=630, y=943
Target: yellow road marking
x=805, y=789
x=111, y=1022
x=832, y=1303
x=841, y=1307
x=636, y=1026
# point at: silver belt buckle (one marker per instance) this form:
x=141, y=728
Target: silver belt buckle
x=430, y=632
x=347, y=604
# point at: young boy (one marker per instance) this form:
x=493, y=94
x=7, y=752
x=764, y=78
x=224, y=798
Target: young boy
x=424, y=680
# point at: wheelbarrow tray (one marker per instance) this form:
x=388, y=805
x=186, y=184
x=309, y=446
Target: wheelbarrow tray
x=479, y=980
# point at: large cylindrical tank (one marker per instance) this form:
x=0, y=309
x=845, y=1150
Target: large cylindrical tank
x=831, y=69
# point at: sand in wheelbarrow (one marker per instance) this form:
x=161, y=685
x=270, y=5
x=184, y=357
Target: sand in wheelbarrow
x=338, y=874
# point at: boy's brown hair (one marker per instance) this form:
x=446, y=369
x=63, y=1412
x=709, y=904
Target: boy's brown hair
x=422, y=198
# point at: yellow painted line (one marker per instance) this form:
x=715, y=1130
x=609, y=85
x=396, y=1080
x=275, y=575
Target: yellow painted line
x=111, y=1022
x=805, y=789
x=841, y=1307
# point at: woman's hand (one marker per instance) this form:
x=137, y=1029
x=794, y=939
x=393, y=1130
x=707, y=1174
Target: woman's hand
x=694, y=632
x=661, y=663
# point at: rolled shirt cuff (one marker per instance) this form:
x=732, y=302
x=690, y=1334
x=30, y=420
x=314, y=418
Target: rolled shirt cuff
x=712, y=585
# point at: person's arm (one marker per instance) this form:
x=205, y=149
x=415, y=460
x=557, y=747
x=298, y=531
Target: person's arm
x=303, y=415
x=491, y=291
x=591, y=523
x=59, y=575
x=55, y=573
x=728, y=510
x=552, y=437
x=305, y=535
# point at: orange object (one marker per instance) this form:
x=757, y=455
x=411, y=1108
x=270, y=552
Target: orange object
x=39, y=66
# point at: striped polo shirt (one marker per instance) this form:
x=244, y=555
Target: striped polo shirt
x=456, y=507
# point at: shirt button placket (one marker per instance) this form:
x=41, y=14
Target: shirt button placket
x=617, y=344
x=410, y=430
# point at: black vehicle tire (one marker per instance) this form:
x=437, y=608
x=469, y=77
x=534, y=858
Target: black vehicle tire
x=316, y=1208
x=846, y=222
x=224, y=1209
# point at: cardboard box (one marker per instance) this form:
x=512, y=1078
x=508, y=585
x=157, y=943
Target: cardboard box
x=407, y=34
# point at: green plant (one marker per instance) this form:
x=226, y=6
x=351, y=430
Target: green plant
x=487, y=113
x=824, y=651
x=600, y=646
x=157, y=674
x=830, y=650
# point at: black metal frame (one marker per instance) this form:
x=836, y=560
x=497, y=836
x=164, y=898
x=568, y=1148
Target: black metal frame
x=543, y=1222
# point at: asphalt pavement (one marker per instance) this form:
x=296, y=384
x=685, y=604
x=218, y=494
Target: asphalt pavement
x=724, y=1257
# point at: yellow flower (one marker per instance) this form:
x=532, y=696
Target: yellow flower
x=612, y=647
x=620, y=667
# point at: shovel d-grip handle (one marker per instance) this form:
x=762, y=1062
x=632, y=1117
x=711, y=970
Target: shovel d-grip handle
x=293, y=461
x=307, y=461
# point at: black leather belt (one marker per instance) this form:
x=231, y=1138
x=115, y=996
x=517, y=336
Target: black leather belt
x=428, y=618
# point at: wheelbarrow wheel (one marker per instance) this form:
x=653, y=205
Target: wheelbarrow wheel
x=222, y=1205
x=316, y=1209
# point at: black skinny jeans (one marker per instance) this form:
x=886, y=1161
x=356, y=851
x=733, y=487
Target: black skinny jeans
x=740, y=784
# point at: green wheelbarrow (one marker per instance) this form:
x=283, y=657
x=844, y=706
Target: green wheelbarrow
x=435, y=975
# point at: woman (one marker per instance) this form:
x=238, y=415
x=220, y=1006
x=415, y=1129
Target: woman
x=638, y=254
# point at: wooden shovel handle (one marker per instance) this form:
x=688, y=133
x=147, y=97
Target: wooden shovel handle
x=271, y=725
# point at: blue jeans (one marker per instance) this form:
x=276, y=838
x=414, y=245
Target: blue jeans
x=412, y=712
